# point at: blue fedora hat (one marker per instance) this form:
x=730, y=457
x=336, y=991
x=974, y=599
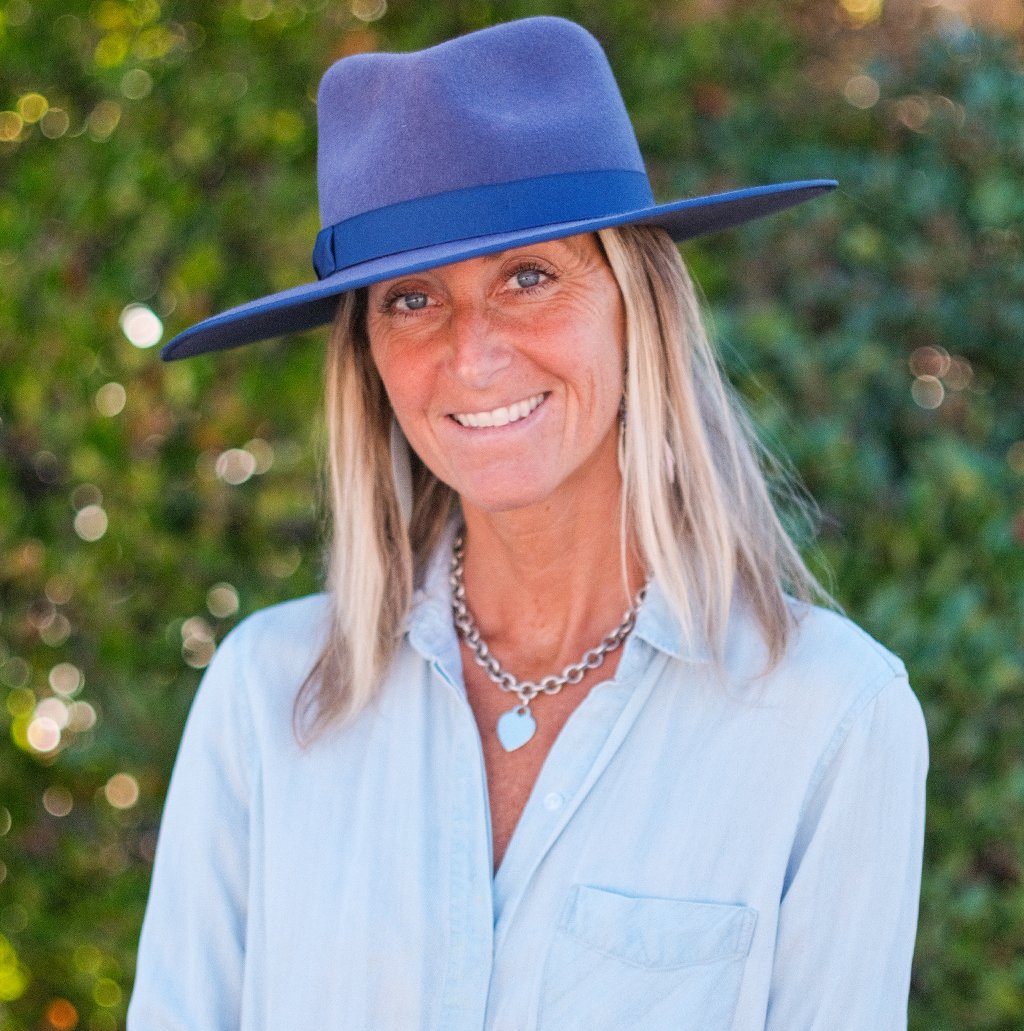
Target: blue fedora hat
x=503, y=137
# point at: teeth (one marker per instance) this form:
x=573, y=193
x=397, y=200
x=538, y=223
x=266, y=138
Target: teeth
x=500, y=416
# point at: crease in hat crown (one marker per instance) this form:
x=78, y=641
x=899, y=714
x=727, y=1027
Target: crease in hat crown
x=501, y=137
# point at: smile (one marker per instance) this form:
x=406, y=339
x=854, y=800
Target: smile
x=499, y=416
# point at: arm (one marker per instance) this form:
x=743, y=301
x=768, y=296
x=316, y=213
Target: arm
x=189, y=971
x=848, y=916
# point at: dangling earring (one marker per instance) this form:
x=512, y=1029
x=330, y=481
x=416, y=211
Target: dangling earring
x=622, y=437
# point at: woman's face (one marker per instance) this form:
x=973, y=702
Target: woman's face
x=505, y=371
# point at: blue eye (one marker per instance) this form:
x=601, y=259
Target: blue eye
x=413, y=302
x=527, y=277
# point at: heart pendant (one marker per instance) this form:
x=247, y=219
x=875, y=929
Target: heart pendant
x=515, y=728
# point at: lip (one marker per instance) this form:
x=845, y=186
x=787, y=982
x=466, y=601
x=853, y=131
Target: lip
x=534, y=401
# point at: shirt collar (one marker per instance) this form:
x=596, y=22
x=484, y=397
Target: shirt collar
x=659, y=626
x=429, y=622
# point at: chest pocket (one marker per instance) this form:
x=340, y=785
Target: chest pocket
x=619, y=962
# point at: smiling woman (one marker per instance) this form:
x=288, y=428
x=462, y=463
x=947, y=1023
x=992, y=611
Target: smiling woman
x=566, y=743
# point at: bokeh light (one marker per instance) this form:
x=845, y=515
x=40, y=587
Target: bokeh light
x=81, y=716
x=65, y=679
x=11, y=124
x=55, y=123
x=861, y=91
x=103, y=120
x=235, y=466
x=262, y=452
x=32, y=107
x=56, y=631
x=15, y=672
x=959, y=375
x=14, y=976
x=256, y=10
x=198, y=643
x=862, y=12
x=43, y=734
x=54, y=709
x=141, y=325
x=369, y=10
x=57, y=801
x=222, y=600
x=930, y=361
x=88, y=959
x=106, y=992
x=282, y=564
x=91, y=523
x=927, y=391
x=122, y=791
x=136, y=84
x=110, y=399
x=913, y=112
x=61, y=1015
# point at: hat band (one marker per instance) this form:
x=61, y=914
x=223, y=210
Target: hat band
x=545, y=200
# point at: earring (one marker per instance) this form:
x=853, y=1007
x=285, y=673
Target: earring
x=401, y=470
x=622, y=437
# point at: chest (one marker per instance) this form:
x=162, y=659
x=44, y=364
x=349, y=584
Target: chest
x=512, y=775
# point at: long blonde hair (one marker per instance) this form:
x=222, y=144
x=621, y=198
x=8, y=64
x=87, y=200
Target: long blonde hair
x=695, y=496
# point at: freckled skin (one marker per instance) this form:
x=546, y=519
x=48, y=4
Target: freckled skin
x=540, y=497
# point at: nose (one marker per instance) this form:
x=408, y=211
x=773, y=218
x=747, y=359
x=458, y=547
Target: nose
x=480, y=351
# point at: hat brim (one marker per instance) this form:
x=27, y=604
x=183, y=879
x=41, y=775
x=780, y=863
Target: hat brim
x=314, y=304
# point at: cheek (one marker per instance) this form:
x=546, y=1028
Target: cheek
x=397, y=370
x=408, y=383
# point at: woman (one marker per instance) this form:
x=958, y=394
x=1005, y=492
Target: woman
x=557, y=749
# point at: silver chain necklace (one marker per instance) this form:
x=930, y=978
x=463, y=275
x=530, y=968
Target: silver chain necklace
x=518, y=725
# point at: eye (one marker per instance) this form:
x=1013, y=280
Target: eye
x=403, y=302
x=410, y=302
x=529, y=277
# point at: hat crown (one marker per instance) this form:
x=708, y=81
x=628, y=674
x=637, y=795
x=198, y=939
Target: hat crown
x=524, y=99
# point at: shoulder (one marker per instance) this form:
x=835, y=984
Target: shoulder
x=832, y=676
x=826, y=641
x=284, y=629
x=272, y=651
x=825, y=648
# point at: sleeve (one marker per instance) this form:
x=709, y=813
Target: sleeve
x=848, y=915
x=191, y=951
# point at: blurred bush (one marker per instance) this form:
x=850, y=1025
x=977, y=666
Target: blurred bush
x=157, y=165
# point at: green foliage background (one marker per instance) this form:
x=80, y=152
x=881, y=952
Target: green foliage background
x=180, y=175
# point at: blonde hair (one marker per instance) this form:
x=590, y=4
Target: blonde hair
x=695, y=497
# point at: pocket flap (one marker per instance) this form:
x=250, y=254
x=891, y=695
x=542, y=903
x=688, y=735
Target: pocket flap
x=657, y=932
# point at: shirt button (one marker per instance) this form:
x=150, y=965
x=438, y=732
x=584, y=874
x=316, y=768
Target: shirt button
x=553, y=801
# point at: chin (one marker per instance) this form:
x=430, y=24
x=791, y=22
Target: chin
x=496, y=501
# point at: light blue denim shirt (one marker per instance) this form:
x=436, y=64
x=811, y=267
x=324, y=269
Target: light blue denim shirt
x=699, y=852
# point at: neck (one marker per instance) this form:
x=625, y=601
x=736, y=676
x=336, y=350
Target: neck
x=546, y=583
